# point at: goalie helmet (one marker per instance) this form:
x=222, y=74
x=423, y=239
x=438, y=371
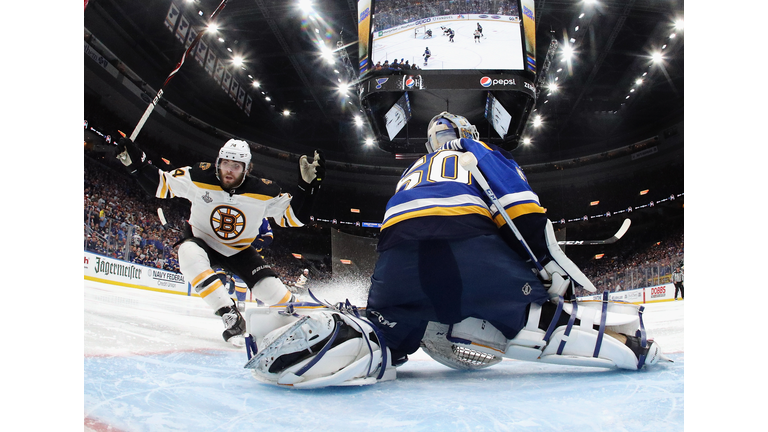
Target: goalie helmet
x=445, y=127
x=236, y=150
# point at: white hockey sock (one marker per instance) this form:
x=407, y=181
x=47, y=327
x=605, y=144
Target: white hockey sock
x=196, y=268
x=214, y=294
x=271, y=291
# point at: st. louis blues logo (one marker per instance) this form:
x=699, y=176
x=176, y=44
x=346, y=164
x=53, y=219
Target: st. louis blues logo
x=227, y=222
x=380, y=82
x=485, y=81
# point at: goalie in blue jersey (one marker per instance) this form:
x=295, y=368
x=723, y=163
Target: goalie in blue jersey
x=454, y=279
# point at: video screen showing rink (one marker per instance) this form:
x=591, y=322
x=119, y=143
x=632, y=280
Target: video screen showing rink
x=498, y=48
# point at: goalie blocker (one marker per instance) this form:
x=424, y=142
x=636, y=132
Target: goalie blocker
x=312, y=345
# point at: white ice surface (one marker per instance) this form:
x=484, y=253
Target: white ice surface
x=156, y=362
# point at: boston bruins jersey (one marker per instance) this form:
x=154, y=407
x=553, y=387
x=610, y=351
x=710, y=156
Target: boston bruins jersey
x=228, y=221
x=438, y=199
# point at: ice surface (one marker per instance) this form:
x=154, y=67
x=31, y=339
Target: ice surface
x=156, y=362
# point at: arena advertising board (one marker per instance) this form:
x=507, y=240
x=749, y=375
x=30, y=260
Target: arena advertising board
x=457, y=35
x=105, y=269
x=649, y=294
x=476, y=81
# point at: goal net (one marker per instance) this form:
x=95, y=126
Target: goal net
x=420, y=31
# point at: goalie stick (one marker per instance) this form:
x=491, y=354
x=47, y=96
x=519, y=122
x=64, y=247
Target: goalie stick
x=159, y=94
x=612, y=239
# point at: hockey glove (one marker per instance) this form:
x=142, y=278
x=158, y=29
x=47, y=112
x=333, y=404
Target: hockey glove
x=312, y=171
x=559, y=281
x=130, y=155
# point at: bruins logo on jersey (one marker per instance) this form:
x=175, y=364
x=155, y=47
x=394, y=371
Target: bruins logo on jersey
x=227, y=222
x=205, y=165
x=266, y=181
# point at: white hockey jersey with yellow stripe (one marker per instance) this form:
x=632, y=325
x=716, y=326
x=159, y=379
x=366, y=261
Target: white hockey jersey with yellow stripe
x=228, y=221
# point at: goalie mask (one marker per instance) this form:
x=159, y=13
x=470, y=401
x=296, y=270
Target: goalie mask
x=445, y=127
x=238, y=151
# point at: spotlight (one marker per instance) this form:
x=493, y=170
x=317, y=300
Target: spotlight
x=305, y=5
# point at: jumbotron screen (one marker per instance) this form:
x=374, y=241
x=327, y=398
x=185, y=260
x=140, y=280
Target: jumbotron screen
x=443, y=35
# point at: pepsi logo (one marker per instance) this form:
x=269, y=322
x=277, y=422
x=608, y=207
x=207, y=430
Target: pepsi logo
x=485, y=81
x=410, y=82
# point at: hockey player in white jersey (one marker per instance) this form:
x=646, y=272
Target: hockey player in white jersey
x=454, y=279
x=228, y=207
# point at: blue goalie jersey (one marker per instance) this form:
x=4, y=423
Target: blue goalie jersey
x=438, y=199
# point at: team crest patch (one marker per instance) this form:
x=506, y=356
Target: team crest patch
x=527, y=289
x=266, y=181
x=227, y=222
x=205, y=165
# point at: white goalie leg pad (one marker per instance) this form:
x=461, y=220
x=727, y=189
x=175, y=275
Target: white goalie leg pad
x=576, y=348
x=322, y=348
x=582, y=345
x=478, y=346
x=564, y=264
x=619, y=317
x=260, y=321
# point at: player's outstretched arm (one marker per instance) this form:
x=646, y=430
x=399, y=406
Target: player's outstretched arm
x=137, y=163
x=311, y=176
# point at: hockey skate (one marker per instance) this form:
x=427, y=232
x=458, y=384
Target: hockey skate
x=234, y=324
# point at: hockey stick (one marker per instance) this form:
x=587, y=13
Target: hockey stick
x=612, y=239
x=159, y=94
x=468, y=161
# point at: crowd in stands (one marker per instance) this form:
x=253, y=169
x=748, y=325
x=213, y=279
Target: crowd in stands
x=121, y=224
x=638, y=267
x=396, y=66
